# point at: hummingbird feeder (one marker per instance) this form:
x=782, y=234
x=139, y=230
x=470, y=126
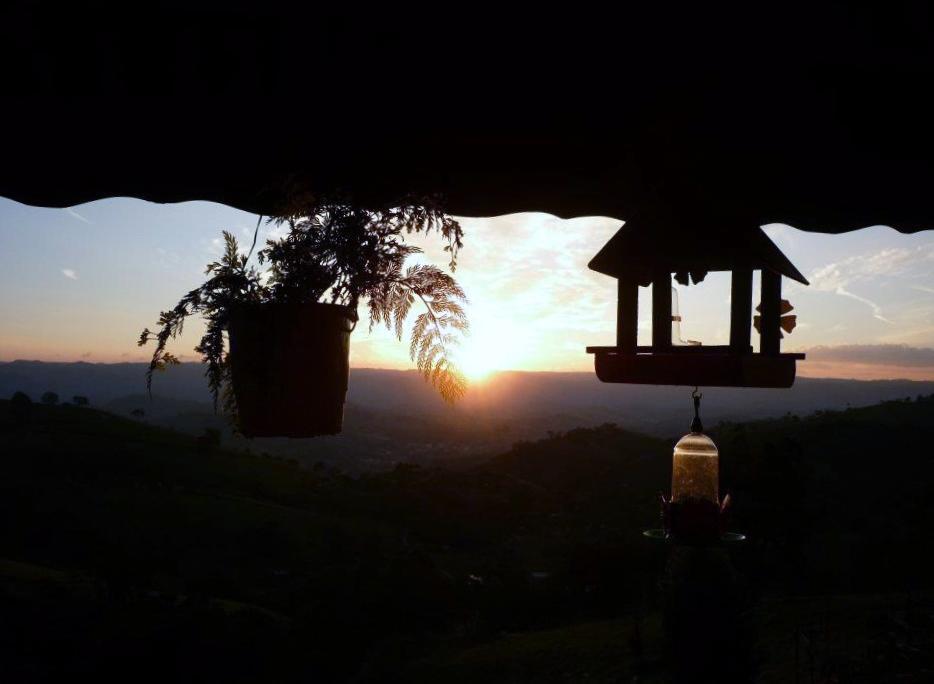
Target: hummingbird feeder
x=641, y=257
x=694, y=513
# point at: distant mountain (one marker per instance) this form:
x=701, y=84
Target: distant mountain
x=394, y=415
x=102, y=382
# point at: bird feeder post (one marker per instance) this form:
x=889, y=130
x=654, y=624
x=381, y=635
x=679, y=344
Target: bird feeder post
x=771, y=311
x=627, y=315
x=661, y=312
x=741, y=310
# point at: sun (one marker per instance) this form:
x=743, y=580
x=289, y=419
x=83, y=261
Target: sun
x=478, y=359
x=491, y=346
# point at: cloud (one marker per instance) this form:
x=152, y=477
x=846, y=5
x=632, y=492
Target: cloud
x=879, y=354
x=869, y=362
x=876, y=309
x=887, y=262
x=838, y=277
x=74, y=214
x=167, y=258
x=70, y=273
x=531, y=295
x=273, y=232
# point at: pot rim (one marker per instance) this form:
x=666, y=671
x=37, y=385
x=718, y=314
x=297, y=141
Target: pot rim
x=347, y=311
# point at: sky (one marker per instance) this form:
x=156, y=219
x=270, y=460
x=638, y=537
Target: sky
x=79, y=284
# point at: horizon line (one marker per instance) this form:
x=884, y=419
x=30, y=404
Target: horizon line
x=491, y=374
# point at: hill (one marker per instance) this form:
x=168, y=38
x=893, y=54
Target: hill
x=393, y=416
x=809, y=491
x=137, y=549
x=129, y=550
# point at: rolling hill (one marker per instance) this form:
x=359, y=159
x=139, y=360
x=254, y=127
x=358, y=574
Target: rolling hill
x=393, y=416
x=127, y=550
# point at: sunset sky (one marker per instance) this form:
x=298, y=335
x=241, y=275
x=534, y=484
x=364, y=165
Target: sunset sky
x=80, y=283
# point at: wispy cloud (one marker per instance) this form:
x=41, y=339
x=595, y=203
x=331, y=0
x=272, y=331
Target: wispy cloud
x=74, y=214
x=70, y=273
x=886, y=262
x=876, y=309
x=167, y=258
x=839, y=277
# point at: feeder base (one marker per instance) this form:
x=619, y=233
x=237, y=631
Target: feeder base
x=659, y=534
x=701, y=368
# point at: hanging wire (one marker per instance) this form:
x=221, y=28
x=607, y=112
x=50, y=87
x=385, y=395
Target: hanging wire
x=259, y=220
x=696, y=425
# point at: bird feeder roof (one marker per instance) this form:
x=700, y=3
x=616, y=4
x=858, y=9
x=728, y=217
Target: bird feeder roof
x=639, y=252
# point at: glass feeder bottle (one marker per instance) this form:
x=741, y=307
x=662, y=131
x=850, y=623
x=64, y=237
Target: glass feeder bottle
x=695, y=471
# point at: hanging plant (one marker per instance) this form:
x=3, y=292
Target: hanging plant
x=283, y=367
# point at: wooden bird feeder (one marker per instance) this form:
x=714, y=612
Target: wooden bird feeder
x=641, y=257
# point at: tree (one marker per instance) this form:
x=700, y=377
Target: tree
x=210, y=440
x=49, y=399
x=79, y=400
x=20, y=407
x=137, y=413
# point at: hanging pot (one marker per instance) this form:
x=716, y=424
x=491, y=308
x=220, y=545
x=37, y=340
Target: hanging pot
x=289, y=366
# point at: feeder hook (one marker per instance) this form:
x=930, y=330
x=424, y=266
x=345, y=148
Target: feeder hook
x=696, y=425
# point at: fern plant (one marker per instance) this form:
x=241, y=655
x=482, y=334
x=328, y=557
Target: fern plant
x=338, y=253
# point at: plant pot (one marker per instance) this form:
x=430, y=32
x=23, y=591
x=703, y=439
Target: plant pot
x=289, y=366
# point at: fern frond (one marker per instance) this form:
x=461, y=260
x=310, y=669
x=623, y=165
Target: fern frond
x=333, y=251
x=419, y=331
x=431, y=337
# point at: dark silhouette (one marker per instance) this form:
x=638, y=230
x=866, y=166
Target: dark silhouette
x=79, y=400
x=641, y=256
x=138, y=413
x=285, y=373
x=493, y=572
x=209, y=440
x=20, y=407
x=707, y=616
x=49, y=398
x=710, y=130
x=129, y=552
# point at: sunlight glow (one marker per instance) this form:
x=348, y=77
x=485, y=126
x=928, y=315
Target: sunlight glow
x=534, y=304
x=492, y=345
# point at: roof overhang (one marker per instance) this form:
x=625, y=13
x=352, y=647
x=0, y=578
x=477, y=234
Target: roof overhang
x=821, y=120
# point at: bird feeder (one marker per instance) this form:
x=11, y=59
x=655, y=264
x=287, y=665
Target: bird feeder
x=694, y=513
x=638, y=257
